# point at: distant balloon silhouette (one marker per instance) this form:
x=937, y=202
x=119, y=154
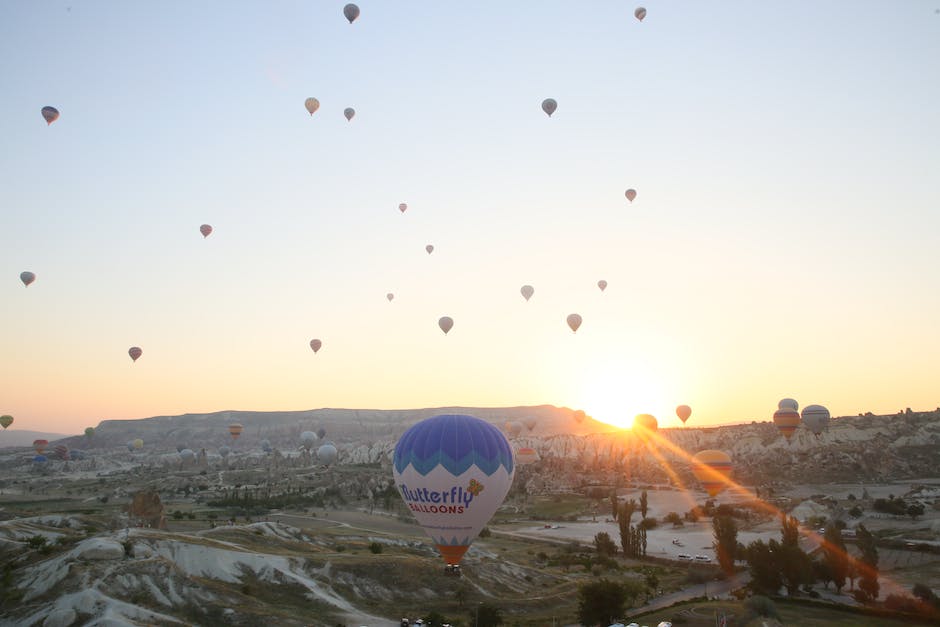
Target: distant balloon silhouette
x=526, y=455
x=50, y=115
x=712, y=468
x=446, y=323
x=602, y=284
x=315, y=345
x=350, y=113
x=788, y=403
x=235, y=429
x=6, y=420
x=312, y=104
x=683, y=411
x=549, y=106
x=40, y=445
x=640, y=13
x=327, y=453
x=574, y=322
x=27, y=278
x=135, y=352
x=403, y=207
x=527, y=291
x=816, y=418
x=307, y=439
x=205, y=229
x=321, y=433
x=645, y=423
x=787, y=420
x=579, y=416
x=390, y=297
x=630, y=194
x=429, y=248
x=351, y=11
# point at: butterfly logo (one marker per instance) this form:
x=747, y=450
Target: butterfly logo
x=475, y=487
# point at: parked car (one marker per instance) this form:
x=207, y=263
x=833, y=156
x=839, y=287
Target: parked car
x=685, y=557
x=702, y=558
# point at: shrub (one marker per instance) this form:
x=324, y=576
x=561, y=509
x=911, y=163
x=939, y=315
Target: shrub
x=375, y=547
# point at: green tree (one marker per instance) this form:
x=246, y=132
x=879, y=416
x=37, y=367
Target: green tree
x=796, y=567
x=644, y=504
x=604, y=545
x=835, y=556
x=485, y=615
x=725, y=532
x=613, y=503
x=674, y=518
x=603, y=602
x=914, y=510
x=789, y=531
x=867, y=564
x=765, y=572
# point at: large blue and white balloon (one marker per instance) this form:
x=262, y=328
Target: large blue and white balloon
x=453, y=472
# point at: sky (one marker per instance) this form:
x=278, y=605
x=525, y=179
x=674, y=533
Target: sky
x=784, y=241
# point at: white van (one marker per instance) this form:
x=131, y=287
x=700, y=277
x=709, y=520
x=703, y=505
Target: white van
x=685, y=557
x=702, y=558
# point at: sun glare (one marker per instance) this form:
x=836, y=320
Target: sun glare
x=615, y=398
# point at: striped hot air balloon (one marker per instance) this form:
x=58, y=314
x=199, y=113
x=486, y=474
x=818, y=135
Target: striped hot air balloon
x=712, y=469
x=787, y=420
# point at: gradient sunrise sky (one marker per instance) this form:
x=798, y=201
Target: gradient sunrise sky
x=785, y=239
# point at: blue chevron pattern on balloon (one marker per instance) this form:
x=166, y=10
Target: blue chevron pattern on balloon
x=456, y=442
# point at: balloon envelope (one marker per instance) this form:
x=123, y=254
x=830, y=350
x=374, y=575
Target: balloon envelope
x=89, y=431
x=403, y=207
x=187, y=454
x=50, y=114
x=61, y=451
x=579, y=416
x=307, y=438
x=235, y=429
x=321, y=433
x=40, y=445
x=266, y=445
x=527, y=291
x=453, y=472
x=446, y=323
x=135, y=352
x=351, y=12
x=640, y=13
x=311, y=104
x=224, y=451
x=683, y=411
x=327, y=454
x=602, y=284
x=138, y=443
x=816, y=418
x=574, y=322
x=526, y=455
x=429, y=248
x=645, y=423
x=27, y=278
x=712, y=469
x=6, y=420
x=513, y=428
x=350, y=113
x=529, y=423
x=205, y=229
x=788, y=403
x=630, y=194
x=390, y=297
x=787, y=420
x=315, y=345
x=549, y=106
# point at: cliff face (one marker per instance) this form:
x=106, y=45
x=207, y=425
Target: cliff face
x=870, y=448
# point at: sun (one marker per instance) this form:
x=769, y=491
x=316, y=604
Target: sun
x=615, y=398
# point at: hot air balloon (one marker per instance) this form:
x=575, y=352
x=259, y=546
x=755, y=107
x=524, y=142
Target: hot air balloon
x=235, y=429
x=712, y=469
x=579, y=416
x=574, y=321
x=89, y=431
x=526, y=455
x=321, y=433
x=548, y=106
x=630, y=194
x=50, y=115
x=453, y=472
x=429, y=248
x=137, y=444
x=527, y=291
x=61, y=451
x=446, y=323
x=403, y=207
x=312, y=104
x=390, y=297
x=307, y=439
x=529, y=423
x=315, y=345
x=602, y=285
x=683, y=411
x=27, y=278
x=187, y=455
x=640, y=13
x=266, y=445
x=351, y=11
x=40, y=459
x=350, y=113
x=135, y=352
x=786, y=421
x=788, y=403
x=816, y=418
x=513, y=428
x=327, y=453
x=645, y=423
x=130, y=445
x=40, y=445
x=6, y=420
x=205, y=229
x=224, y=451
